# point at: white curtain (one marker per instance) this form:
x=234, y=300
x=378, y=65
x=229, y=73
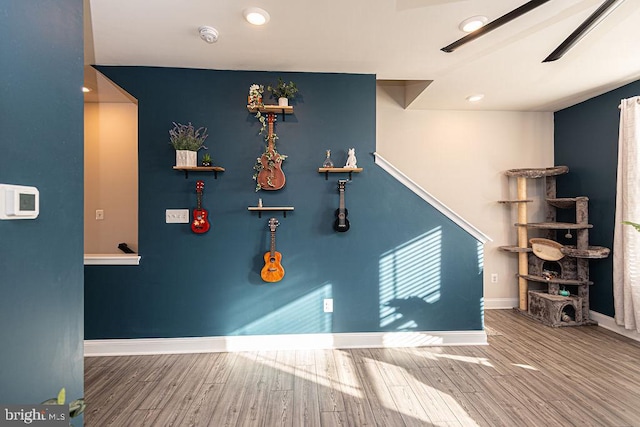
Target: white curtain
x=626, y=241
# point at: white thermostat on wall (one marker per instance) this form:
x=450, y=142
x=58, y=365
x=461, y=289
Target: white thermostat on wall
x=19, y=202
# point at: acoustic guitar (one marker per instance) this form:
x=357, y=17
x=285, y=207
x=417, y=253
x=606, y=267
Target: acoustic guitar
x=342, y=223
x=272, y=270
x=200, y=223
x=271, y=176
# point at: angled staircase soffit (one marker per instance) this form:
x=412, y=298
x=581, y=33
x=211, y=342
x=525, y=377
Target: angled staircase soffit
x=404, y=92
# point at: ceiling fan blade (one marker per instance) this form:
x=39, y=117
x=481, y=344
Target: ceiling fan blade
x=515, y=13
x=594, y=19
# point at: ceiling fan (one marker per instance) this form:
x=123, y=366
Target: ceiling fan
x=594, y=19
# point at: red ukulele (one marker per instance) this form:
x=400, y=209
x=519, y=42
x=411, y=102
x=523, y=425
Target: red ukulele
x=200, y=223
x=271, y=177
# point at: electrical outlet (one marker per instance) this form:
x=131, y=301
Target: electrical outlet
x=177, y=216
x=328, y=305
x=494, y=277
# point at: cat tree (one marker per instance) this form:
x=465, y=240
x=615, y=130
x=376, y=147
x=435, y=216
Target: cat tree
x=563, y=268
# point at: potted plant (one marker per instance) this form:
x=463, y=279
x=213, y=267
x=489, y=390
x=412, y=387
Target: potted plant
x=283, y=92
x=76, y=407
x=206, y=159
x=187, y=140
x=255, y=95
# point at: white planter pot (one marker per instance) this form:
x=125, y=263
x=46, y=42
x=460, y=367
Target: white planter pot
x=283, y=102
x=186, y=158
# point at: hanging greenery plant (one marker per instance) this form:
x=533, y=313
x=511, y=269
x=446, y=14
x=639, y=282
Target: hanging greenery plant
x=263, y=127
x=272, y=158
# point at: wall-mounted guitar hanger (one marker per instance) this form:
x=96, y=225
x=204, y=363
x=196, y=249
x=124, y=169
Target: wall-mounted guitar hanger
x=594, y=19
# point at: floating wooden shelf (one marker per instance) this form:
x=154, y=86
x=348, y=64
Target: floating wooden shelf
x=555, y=225
x=554, y=280
x=515, y=201
x=275, y=109
x=260, y=209
x=327, y=171
x=187, y=169
x=566, y=203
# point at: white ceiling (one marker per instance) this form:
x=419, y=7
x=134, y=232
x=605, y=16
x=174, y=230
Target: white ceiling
x=394, y=39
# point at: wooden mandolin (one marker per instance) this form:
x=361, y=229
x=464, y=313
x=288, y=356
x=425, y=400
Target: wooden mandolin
x=272, y=270
x=271, y=176
x=200, y=223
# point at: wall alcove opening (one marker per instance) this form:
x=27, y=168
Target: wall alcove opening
x=110, y=170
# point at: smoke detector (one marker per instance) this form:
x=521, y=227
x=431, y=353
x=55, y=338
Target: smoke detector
x=208, y=34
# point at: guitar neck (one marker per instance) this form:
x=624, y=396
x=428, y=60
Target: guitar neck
x=341, y=198
x=273, y=243
x=199, y=187
x=271, y=120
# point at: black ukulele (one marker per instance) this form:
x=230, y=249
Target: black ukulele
x=342, y=223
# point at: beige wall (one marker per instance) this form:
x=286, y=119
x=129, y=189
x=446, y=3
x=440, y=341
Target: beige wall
x=111, y=176
x=459, y=157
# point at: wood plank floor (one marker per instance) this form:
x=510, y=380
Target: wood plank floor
x=529, y=375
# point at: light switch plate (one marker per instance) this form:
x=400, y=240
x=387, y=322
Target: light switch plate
x=177, y=216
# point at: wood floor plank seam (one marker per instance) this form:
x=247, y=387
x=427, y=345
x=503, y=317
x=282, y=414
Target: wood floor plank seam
x=528, y=375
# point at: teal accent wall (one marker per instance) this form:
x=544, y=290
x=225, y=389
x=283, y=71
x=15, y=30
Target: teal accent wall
x=401, y=266
x=41, y=268
x=586, y=140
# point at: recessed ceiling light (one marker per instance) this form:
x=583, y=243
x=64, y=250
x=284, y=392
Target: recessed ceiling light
x=256, y=16
x=473, y=23
x=85, y=89
x=475, y=98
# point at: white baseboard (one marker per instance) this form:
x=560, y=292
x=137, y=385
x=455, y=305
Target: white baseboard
x=610, y=324
x=500, y=303
x=138, y=346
